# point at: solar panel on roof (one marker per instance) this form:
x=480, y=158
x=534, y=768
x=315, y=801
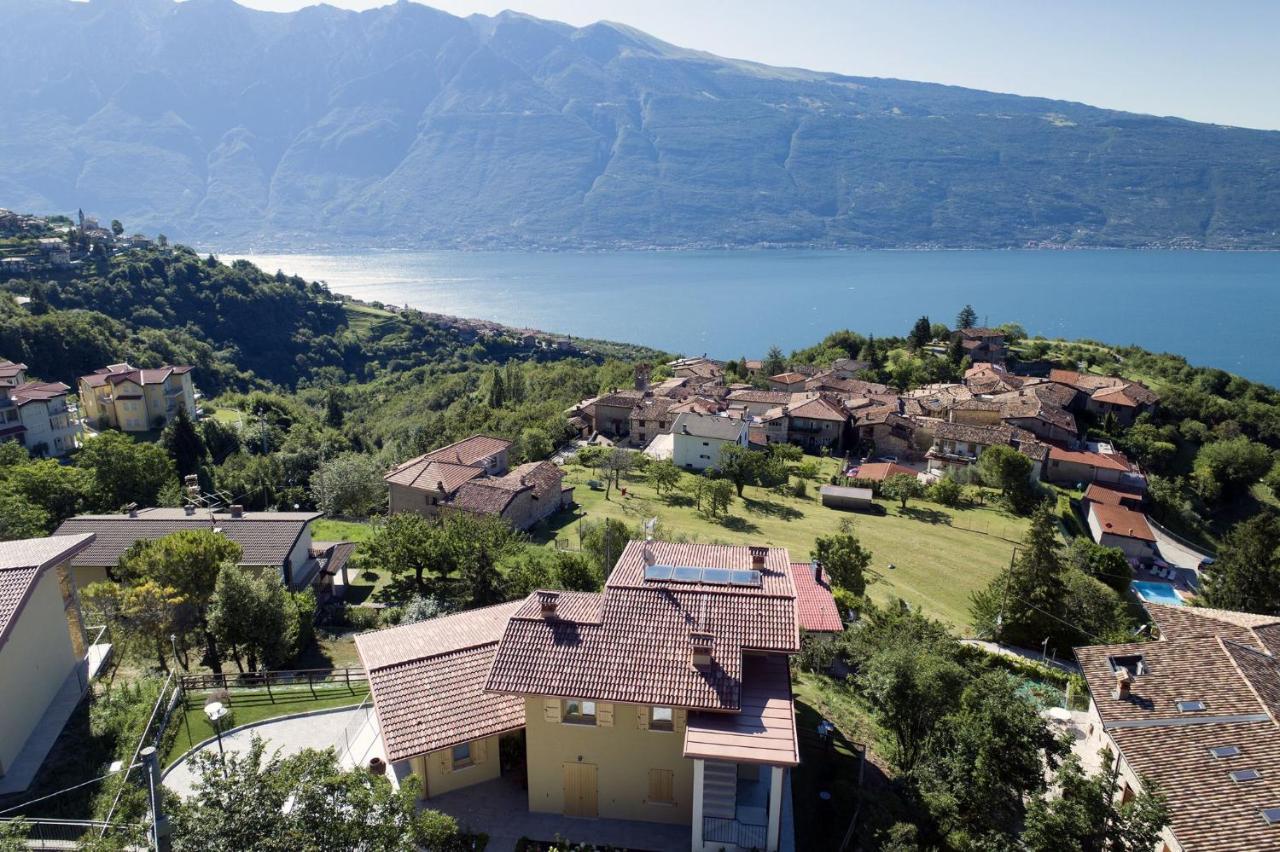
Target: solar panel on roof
x=658, y=572
x=719, y=576
x=685, y=574
x=746, y=578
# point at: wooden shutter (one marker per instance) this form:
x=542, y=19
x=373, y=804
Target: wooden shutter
x=444, y=758
x=660, y=786
x=479, y=751
x=551, y=710
x=642, y=717
x=604, y=715
x=678, y=718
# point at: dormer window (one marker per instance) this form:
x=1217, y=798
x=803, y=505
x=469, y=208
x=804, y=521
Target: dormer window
x=1190, y=706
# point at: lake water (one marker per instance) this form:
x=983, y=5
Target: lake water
x=1216, y=308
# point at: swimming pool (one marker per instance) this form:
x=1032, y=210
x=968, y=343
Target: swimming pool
x=1161, y=593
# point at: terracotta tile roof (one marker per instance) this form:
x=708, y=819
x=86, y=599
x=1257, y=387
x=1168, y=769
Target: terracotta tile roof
x=38, y=392
x=1197, y=622
x=816, y=609
x=10, y=370
x=766, y=396
x=484, y=497
x=696, y=405
x=1210, y=811
x=428, y=681
x=422, y=474
x=265, y=538
x=980, y=333
x=21, y=563
x=632, y=643
x=1099, y=493
x=1084, y=381
x=120, y=373
x=469, y=451
x=1175, y=670
x=764, y=731
x=788, y=378
x=1129, y=394
x=1106, y=461
x=543, y=476
x=880, y=471
x=819, y=408
x=620, y=399
x=1117, y=520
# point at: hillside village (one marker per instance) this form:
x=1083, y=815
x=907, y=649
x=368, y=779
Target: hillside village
x=642, y=688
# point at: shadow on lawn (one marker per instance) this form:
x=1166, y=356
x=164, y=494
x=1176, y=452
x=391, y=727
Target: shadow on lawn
x=928, y=516
x=773, y=509
x=738, y=524
x=833, y=766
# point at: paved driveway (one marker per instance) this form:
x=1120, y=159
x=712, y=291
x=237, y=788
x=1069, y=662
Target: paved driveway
x=317, y=730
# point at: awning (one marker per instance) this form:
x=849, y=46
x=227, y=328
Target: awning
x=765, y=729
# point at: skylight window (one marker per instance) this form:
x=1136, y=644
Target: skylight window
x=1271, y=815
x=1132, y=663
x=1190, y=706
x=1245, y=775
x=1224, y=751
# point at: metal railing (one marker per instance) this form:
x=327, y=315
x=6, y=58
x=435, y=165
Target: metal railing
x=68, y=833
x=231, y=681
x=742, y=835
x=351, y=733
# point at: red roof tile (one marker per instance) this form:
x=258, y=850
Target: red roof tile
x=1117, y=520
x=816, y=609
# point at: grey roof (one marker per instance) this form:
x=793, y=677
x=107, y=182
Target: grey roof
x=21, y=563
x=266, y=538
x=708, y=426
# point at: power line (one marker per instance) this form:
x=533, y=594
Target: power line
x=69, y=789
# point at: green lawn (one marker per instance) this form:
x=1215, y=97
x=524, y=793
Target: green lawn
x=231, y=416
x=256, y=705
x=361, y=318
x=939, y=555
x=327, y=529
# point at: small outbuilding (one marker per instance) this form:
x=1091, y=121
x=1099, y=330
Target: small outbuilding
x=846, y=497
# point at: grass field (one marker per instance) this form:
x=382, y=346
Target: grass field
x=256, y=705
x=939, y=555
x=326, y=529
x=361, y=318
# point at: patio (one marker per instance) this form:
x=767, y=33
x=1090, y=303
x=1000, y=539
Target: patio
x=501, y=809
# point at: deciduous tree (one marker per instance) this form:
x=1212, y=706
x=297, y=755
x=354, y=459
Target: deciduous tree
x=1087, y=815
x=844, y=557
x=349, y=486
x=1246, y=574
x=124, y=471
x=901, y=487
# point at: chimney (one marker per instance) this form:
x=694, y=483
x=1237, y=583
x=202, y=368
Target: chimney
x=701, y=645
x=133, y=510
x=548, y=602
x=757, y=557
x=817, y=570
x=1124, y=682
x=189, y=509
x=237, y=511
x=440, y=485
x=642, y=377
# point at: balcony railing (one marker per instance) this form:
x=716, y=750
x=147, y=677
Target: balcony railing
x=730, y=831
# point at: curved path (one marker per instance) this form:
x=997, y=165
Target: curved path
x=319, y=730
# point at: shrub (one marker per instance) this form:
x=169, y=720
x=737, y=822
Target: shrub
x=947, y=492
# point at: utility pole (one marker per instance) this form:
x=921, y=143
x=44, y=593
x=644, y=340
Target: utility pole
x=1004, y=595
x=160, y=829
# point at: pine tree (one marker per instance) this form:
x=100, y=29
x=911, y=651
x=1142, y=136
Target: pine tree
x=497, y=392
x=184, y=443
x=1021, y=606
x=967, y=318
x=921, y=333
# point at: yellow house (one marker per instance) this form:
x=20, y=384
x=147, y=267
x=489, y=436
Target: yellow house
x=135, y=400
x=666, y=698
x=42, y=645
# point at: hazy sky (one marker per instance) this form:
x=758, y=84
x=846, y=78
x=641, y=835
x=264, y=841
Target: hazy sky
x=1200, y=59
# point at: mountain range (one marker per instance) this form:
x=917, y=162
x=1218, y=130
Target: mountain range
x=404, y=126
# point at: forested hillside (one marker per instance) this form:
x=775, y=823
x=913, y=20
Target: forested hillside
x=403, y=125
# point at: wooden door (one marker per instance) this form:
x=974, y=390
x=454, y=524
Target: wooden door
x=580, y=790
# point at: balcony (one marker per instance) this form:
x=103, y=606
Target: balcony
x=739, y=803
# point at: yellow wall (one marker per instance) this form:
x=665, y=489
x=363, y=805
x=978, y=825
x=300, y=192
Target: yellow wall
x=623, y=753
x=34, y=661
x=438, y=776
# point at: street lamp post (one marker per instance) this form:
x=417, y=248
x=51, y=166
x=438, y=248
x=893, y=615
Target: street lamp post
x=216, y=711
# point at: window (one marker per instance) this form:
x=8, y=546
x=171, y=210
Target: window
x=1132, y=663
x=1245, y=775
x=462, y=756
x=1224, y=751
x=1190, y=706
x=661, y=719
x=661, y=790
x=579, y=712
x=1271, y=815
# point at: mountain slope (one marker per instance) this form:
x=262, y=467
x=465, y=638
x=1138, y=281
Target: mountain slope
x=404, y=125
